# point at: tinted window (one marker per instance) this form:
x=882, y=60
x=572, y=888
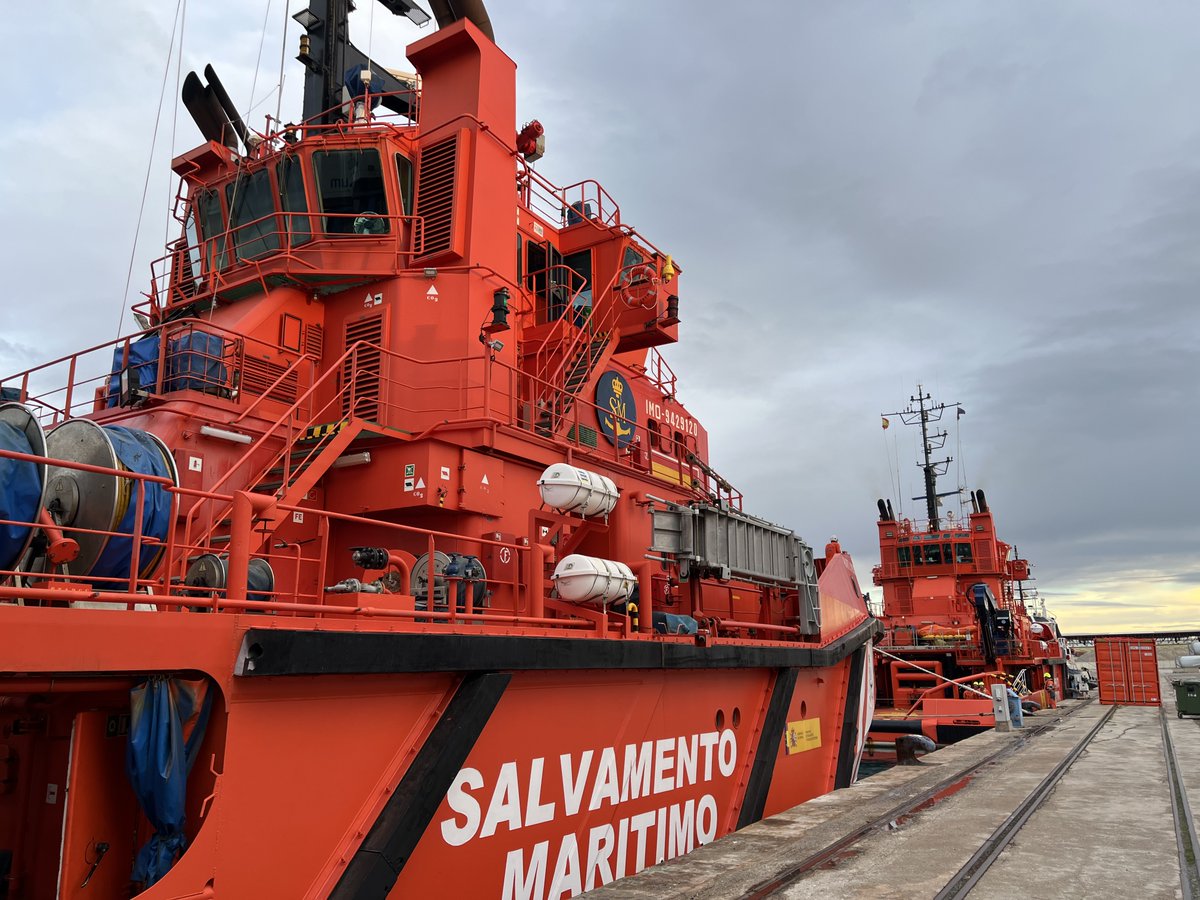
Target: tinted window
x=933, y=554
x=351, y=192
x=904, y=554
x=404, y=171
x=292, y=199
x=191, y=237
x=252, y=215
x=212, y=228
x=962, y=553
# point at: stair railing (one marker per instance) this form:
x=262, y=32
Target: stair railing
x=285, y=427
x=580, y=339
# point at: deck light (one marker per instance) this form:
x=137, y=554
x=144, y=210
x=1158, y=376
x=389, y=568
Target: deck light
x=415, y=14
x=222, y=434
x=499, y=312
x=308, y=19
x=351, y=459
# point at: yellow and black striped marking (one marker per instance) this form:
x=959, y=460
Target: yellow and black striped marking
x=316, y=432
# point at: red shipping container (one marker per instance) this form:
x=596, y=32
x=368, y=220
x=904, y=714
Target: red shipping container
x=1127, y=669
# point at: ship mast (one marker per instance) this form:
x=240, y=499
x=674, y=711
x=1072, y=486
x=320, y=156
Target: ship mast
x=329, y=57
x=923, y=411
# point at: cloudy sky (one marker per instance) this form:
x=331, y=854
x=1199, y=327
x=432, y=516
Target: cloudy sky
x=999, y=201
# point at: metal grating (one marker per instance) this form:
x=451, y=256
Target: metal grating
x=587, y=436
x=258, y=376
x=435, y=195
x=361, y=371
x=314, y=341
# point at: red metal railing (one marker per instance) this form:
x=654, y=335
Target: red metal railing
x=174, y=279
x=519, y=599
x=89, y=381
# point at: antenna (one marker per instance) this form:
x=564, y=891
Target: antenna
x=921, y=410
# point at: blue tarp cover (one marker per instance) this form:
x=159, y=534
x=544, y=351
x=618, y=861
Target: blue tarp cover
x=143, y=363
x=194, y=362
x=138, y=452
x=20, y=494
x=167, y=722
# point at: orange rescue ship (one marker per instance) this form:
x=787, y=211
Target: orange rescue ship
x=384, y=560
x=954, y=612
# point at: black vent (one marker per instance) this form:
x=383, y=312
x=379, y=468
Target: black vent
x=363, y=367
x=435, y=195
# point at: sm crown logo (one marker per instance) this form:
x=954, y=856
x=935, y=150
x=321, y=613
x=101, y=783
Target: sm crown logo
x=616, y=414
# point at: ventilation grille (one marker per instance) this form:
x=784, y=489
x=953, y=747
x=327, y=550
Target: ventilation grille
x=587, y=436
x=361, y=371
x=314, y=341
x=258, y=376
x=435, y=195
x=903, y=604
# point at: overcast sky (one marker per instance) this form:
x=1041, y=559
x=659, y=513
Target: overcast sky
x=1000, y=201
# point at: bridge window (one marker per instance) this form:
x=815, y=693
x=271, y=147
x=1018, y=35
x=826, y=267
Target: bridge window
x=351, y=191
x=212, y=229
x=292, y=199
x=933, y=554
x=191, y=237
x=404, y=171
x=252, y=215
x=962, y=553
x=904, y=555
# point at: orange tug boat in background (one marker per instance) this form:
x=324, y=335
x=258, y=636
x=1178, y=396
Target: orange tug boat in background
x=384, y=560
x=954, y=614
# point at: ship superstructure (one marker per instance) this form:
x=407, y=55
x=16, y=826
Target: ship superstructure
x=954, y=603
x=385, y=560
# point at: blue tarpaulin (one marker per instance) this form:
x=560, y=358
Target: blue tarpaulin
x=167, y=722
x=20, y=494
x=194, y=362
x=354, y=84
x=143, y=365
x=138, y=452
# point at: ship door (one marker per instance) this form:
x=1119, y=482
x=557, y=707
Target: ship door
x=546, y=280
x=101, y=809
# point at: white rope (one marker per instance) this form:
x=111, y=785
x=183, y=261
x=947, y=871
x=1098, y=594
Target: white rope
x=258, y=62
x=934, y=674
x=282, y=58
x=149, y=166
x=370, y=35
x=175, y=123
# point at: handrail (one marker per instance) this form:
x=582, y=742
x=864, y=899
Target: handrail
x=286, y=417
x=233, y=344
x=226, y=269
x=274, y=384
x=570, y=348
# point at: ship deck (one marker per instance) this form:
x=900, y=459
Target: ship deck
x=1087, y=800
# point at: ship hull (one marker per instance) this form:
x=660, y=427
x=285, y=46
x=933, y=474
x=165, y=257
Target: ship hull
x=347, y=764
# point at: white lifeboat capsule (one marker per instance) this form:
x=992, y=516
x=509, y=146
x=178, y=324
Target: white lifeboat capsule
x=568, y=488
x=1185, y=662
x=582, y=578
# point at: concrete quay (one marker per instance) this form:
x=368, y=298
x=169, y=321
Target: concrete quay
x=1105, y=829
